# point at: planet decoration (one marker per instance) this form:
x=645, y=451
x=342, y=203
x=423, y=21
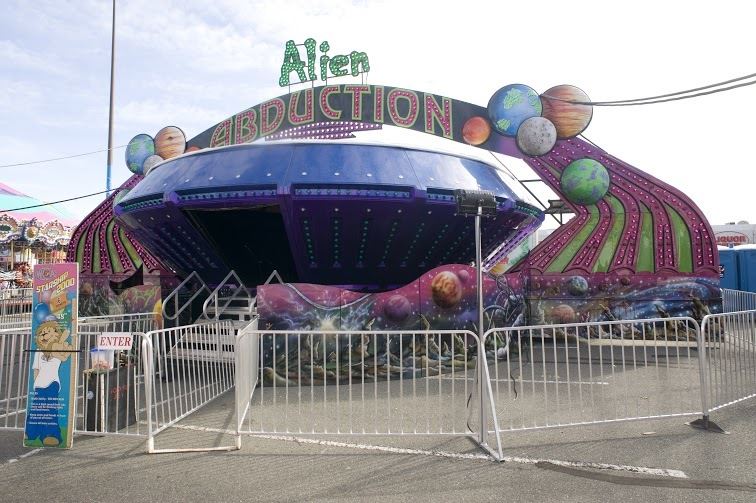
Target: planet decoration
x=563, y=313
x=139, y=148
x=536, y=136
x=577, y=285
x=585, y=181
x=476, y=130
x=170, y=142
x=150, y=163
x=511, y=105
x=570, y=119
x=397, y=308
x=463, y=276
x=446, y=289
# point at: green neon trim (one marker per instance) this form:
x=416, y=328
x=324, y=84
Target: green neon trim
x=569, y=252
x=609, y=249
x=130, y=250
x=80, y=248
x=96, y=267
x=645, y=260
x=115, y=263
x=683, y=246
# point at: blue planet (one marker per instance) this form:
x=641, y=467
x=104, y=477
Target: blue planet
x=577, y=285
x=139, y=148
x=511, y=105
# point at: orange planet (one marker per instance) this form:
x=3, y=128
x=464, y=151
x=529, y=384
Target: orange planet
x=570, y=119
x=193, y=148
x=476, y=130
x=562, y=313
x=170, y=142
x=446, y=289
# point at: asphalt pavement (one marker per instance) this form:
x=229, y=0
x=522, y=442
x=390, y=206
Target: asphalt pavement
x=650, y=460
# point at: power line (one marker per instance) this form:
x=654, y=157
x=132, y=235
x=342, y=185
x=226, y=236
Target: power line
x=60, y=158
x=662, y=98
x=56, y=202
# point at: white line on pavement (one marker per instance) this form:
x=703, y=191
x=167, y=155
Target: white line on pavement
x=661, y=472
x=22, y=456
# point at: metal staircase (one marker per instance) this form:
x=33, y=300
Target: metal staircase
x=231, y=300
x=182, y=297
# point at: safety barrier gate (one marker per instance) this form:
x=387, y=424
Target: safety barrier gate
x=107, y=402
x=402, y=383
x=387, y=383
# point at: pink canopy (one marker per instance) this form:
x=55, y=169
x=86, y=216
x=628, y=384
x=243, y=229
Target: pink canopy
x=49, y=224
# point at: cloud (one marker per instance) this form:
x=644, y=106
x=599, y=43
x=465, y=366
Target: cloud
x=14, y=57
x=150, y=115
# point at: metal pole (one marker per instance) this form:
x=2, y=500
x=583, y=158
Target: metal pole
x=110, y=114
x=481, y=350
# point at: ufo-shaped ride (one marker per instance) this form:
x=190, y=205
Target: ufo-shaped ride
x=366, y=216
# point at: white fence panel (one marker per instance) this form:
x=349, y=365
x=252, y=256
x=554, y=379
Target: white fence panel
x=586, y=373
x=730, y=372
x=364, y=383
x=186, y=367
x=15, y=307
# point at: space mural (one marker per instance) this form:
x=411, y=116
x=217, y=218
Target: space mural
x=445, y=299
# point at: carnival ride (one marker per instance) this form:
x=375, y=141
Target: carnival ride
x=367, y=235
x=30, y=232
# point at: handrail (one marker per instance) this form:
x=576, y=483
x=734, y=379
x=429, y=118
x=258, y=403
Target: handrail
x=215, y=296
x=173, y=296
x=272, y=275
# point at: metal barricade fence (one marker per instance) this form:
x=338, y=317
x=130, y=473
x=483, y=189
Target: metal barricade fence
x=108, y=401
x=185, y=367
x=729, y=373
x=112, y=400
x=247, y=356
x=15, y=307
x=588, y=373
x=362, y=383
x=736, y=300
x=14, y=368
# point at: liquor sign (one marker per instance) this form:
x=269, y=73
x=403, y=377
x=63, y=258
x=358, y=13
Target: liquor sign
x=54, y=357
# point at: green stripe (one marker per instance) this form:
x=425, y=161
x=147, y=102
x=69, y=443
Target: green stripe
x=96, y=267
x=569, y=252
x=80, y=248
x=683, y=245
x=130, y=251
x=645, y=261
x=115, y=262
x=604, y=260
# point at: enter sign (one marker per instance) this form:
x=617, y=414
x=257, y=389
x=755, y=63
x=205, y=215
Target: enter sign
x=115, y=340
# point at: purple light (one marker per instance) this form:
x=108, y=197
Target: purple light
x=324, y=130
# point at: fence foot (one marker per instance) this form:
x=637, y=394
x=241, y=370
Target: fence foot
x=491, y=452
x=705, y=424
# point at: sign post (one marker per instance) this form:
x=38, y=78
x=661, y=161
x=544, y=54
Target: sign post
x=54, y=360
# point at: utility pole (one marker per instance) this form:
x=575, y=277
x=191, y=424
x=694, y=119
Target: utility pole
x=110, y=115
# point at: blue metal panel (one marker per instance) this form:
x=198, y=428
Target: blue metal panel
x=350, y=164
x=728, y=259
x=746, y=268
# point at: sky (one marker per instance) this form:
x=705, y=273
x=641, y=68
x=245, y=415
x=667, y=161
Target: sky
x=192, y=63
